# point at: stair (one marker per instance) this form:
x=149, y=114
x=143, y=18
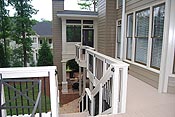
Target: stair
x=83, y=114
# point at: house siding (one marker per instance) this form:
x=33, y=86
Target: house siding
x=107, y=27
x=57, y=36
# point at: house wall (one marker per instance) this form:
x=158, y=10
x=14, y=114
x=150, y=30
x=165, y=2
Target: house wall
x=107, y=27
x=57, y=5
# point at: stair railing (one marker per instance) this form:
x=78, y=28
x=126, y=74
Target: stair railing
x=108, y=85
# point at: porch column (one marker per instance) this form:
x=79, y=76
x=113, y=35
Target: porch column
x=64, y=82
x=80, y=85
x=84, y=79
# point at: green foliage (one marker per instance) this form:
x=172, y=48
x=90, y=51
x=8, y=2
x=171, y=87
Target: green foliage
x=72, y=64
x=17, y=57
x=45, y=55
x=22, y=29
x=2, y=56
x=87, y=5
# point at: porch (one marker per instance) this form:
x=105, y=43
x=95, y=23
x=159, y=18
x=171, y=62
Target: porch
x=143, y=100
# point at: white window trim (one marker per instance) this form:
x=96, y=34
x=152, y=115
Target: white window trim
x=147, y=66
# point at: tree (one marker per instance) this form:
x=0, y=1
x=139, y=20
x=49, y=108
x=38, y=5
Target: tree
x=23, y=27
x=2, y=56
x=45, y=55
x=86, y=4
x=5, y=28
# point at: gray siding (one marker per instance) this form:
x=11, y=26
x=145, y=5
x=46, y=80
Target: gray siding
x=57, y=36
x=107, y=27
x=145, y=75
x=171, y=85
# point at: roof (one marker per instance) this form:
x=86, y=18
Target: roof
x=77, y=13
x=43, y=28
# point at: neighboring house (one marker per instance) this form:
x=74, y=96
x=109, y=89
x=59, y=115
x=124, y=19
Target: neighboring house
x=140, y=32
x=43, y=31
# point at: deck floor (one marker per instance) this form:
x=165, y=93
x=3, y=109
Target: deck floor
x=144, y=100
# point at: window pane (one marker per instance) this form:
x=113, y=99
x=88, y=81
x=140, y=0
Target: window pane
x=120, y=3
x=129, y=48
x=73, y=21
x=130, y=25
x=156, y=52
x=73, y=33
x=158, y=21
x=141, y=50
x=87, y=21
x=142, y=23
x=157, y=34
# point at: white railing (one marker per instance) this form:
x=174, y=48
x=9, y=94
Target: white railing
x=80, y=54
x=108, y=84
x=32, y=72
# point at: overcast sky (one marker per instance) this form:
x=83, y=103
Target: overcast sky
x=45, y=8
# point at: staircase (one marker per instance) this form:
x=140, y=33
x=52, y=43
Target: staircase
x=107, y=82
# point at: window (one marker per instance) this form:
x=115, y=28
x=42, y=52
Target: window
x=129, y=36
x=119, y=3
x=141, y=36
x=118, y=38
x=50, y=41
x=40, y=41
x=157, y=35
x=34, y=40
x=73, y=21
x=73, y=33
x=87, y=21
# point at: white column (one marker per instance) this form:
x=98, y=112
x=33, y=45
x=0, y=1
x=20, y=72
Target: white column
x=64, y=82
x=167, y=48
x=54, y=94
x=80, y=85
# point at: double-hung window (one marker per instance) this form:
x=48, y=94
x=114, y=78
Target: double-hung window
x=141, y=36
x=118, y=38
x=157, y=35
x=129, y=36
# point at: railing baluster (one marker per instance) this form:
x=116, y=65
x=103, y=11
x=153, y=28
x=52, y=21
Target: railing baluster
x=27, y=93
x=45, y=95
x=16, y=103
x=9, y=97
x=21, y=98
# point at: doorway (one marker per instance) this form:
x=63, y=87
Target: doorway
x=88, y=37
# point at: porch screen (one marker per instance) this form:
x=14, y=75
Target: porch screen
x=157, y=35
x=129, y=36
x=73, y=33
x=141, y=36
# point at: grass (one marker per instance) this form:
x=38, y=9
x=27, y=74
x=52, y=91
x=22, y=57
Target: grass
x=21, y=100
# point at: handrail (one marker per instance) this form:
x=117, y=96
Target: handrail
x=108, y=77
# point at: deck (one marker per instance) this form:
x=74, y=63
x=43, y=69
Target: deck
x=144, y=100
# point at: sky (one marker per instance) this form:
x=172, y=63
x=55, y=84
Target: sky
x=45, y=8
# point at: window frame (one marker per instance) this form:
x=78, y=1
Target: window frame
x=148, y=62
x=127, y=37
x=119, y=24
x=137, y=37
x=155, y=37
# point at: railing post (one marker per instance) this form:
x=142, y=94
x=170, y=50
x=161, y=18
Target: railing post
x=115, y=90
x=54, y=94
x=124, y=79
x=3, y=111
x=100, y=99
x=80, y=87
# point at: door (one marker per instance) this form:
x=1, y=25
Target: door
x=88, y=37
